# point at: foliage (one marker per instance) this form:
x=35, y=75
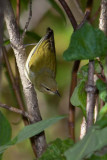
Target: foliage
x=78, y=98
x=94, y=140
x=25, y=133
x=86, y=43
x=56, y=149
x=5, y=131
x=95, y=157
x=90, y=46
x=102, y=89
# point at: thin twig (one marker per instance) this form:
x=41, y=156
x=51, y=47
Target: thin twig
x=16, y=110
x=74, y=74
x=17, y=79
x=101, y=103
x=87, y=13
x=18, y=12
x=95, y=15
x=29, y=18
x=69, y=14
x=16, y=90
x=100, y=76
x=71, y=107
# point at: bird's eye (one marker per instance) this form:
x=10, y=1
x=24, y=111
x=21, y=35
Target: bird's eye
x=47, y=89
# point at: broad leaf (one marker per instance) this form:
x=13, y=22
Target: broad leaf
x=83, y=73
x=5, y=131
x=78, y=98
x=36, y=128
x=56, y=149
x=86, y=43
x=31, y=130
x=94, y=140
x=101, y=86
x=94, y=157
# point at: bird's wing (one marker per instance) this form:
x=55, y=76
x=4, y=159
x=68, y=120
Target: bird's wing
x=43, y=57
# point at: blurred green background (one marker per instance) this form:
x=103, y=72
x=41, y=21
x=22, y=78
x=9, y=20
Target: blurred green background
x=43, y=16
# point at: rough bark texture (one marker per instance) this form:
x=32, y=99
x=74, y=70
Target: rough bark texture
x=29, y=92
x=90, y=89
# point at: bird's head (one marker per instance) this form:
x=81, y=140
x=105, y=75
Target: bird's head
x=46, y=84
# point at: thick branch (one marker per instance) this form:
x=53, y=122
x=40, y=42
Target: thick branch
x=29, y=92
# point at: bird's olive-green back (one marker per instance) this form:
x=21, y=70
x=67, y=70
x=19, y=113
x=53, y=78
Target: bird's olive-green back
x=43, y=57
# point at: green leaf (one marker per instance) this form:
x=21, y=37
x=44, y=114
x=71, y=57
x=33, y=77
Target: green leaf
x=31, y=130
x=78, y=98
x=102, y=117
x=101, y=121
x=57, y=8
x=101, y=86
x=103, y=111
x=5, y=130
x=94, y=140
x=83, y=73
x=94, y=157
x=86, y=43
x=56, y=149
x=36, y=128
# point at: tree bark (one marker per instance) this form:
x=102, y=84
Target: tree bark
x=103, y=17
x=29, y=92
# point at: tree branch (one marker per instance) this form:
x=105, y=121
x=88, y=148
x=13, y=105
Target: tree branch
x=91, y=90
x=29, y=92
x=16, y=110
x=15, y=87
x=27, y=23
x=69, y=14
x=71, y=107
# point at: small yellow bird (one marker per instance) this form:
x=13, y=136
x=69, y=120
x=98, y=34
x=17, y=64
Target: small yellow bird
x=40, y=67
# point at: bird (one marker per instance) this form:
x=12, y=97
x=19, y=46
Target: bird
x=40, y=67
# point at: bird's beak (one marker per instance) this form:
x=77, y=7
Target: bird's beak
x=57, y=93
